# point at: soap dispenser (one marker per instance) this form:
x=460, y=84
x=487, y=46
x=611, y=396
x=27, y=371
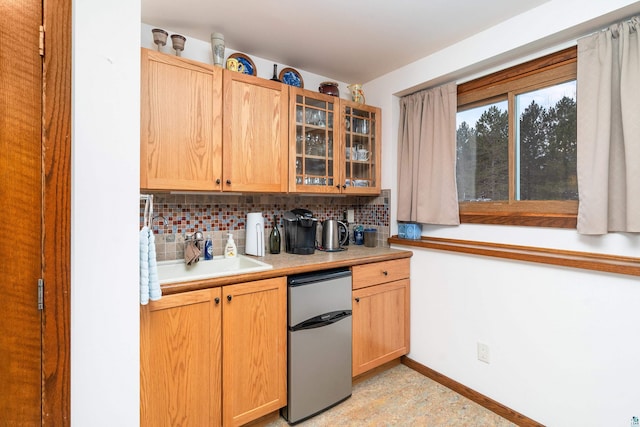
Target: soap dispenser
x=208, y=248
x=230, y=249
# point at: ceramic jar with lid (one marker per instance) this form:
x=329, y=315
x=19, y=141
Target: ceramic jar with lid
x=329, y=88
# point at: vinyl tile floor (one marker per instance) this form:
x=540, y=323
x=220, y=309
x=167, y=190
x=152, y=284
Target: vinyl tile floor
x=401, y=396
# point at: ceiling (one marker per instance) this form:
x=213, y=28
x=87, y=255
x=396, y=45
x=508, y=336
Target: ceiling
x=350, y=41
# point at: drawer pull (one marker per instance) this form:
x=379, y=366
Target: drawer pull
x=385, y=272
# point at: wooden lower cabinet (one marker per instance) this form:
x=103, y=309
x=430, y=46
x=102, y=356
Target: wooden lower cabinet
x=214, y=357
x=380, y=324
x=180, y=359
x=254, y=361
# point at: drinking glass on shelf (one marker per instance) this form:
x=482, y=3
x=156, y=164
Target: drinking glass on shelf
x=321, y=146
x=356, y=125
x=309, y=144
x=299, y=140
x=364, y=127
x=315, y=117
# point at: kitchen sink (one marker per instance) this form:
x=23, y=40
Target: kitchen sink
x=178, y=271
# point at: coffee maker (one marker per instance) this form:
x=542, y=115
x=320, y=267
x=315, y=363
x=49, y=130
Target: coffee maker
x=300, y=232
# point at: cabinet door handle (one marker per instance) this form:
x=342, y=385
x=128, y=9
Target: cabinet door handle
x=229, y=297
x=357, y=299
x=218, y=181
x=338, y=186
x=344, y=186
x=217, y=300
x=385, y=272
x=228, y=182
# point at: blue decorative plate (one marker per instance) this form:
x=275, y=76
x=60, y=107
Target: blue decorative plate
x=249, y=66
x=291, y=77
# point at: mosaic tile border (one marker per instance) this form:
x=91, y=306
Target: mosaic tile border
x=217, y=215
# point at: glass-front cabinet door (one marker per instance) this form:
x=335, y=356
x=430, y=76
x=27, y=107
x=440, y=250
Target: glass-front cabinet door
x=314, y=138
x=334, y=145
x=361, y=136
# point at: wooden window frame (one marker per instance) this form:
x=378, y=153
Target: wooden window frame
x=539, y=73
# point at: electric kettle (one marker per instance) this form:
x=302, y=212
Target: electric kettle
x=331, y=235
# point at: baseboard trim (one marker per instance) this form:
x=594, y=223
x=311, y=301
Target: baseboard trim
x=480, y=399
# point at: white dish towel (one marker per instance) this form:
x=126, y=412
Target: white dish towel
x=149, y=283
x=144, y=265
x=155, y=293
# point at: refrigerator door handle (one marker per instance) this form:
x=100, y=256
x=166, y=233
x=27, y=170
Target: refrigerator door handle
x=321, y=320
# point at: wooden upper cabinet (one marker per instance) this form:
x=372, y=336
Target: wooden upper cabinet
x=255, y=134
x=314, y=142
x=334, y=145
x=203, y=128
x=361, y=148
x=181, y=123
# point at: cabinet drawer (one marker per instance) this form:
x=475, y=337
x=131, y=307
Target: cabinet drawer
x=380, y=272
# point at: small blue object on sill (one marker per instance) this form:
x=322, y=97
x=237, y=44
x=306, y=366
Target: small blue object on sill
x=409, y=230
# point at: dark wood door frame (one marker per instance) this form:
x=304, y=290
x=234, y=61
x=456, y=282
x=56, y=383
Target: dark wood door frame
x=56, y=122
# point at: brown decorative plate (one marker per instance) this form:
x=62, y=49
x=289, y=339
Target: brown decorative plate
x=249, y=66
x=292, y=77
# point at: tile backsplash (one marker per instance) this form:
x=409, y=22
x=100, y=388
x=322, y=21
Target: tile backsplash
x=175, y=215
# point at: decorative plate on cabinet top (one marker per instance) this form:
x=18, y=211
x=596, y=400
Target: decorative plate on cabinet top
x=249, y=66
x=292, y=77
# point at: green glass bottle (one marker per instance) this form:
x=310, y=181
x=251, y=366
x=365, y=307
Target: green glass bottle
x=274, y=238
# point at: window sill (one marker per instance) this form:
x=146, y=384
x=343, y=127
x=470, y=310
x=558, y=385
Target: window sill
x=584, y=260
x=559, y=220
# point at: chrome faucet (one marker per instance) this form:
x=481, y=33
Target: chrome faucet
x=197, y=237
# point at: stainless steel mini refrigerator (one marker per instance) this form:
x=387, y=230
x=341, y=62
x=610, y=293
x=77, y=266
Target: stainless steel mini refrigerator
x=319, y=343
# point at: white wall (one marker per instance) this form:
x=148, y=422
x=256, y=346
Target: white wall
x=104, y=213
x=200, y=50
x=563, y=342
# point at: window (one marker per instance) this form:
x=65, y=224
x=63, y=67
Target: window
x=516, y=144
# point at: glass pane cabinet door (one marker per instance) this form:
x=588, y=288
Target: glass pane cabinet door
x=362, y=151
x=315, y=143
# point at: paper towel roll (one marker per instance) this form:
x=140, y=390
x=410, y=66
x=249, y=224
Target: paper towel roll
x=254, y=232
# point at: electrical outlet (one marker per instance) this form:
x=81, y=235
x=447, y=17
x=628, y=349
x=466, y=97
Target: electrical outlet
x=483, y=352
x=350, y=216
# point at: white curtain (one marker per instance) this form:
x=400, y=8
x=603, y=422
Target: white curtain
x=427, y=191
x=609, y=130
